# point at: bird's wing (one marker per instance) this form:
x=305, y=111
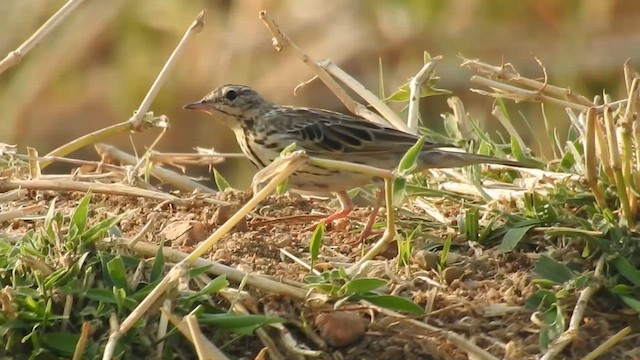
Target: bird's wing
x=322, y=131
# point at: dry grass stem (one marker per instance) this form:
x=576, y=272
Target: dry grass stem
x=295, y=160
x=34, y=165
x=508, y=73
x=615, y=163
x=110, y=348
x=85, y=332
x=502, y=90
x=578, y=312
x=153, y=218
x=262, y=334
x=294, y=163
x=389, y=235
x=84, y=187
x=202, y=157
x=497, y=113
x=196, y=27
x=166, y=176
x=214, y=268
x=389, y=116
x=281, y=41
x=188, y=326
x=591, y=162
x=460, y=114
x=27, y=210
x=415, y=89
x=204, y=348
x=102, y=134
x=15, y=56
x=12, y=195
x=79, y=162
x=603, y=348
x=141, y=118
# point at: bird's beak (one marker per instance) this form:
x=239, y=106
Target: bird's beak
x=198, y=105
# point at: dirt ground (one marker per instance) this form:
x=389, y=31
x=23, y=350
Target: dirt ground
x=483, y=300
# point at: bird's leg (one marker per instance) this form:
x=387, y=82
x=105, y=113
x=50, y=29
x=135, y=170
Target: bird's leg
x=346, y=205
x=372, y=219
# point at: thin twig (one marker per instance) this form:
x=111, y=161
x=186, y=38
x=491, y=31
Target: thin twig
x=14, y=57
x=281, y=40
x=196, y=27
x=141, y=118
x=166, y=176
x=79, y=186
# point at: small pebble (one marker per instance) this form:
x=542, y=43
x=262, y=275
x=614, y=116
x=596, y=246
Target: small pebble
x=340, y=328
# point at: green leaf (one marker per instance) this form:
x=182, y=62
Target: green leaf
x=199, y=271
x=631, y=302
x=471, y=224
x=97, y=231
x=315, y=243
x=117, y=273
x=62, y=343
x=395, y=303
x=627, y=270
x=101, y=295
x=513, y=237
x=362, y=285
x=157, y=269
x=451, y=127
x=549, y=269
x=622, y=289
x=314, y=279
x=241, y=324
x=410, y=158
x=399, y=185
x=214, y=286
x=403, y=94
x=517, y=150
x=221, y=182
x=541, y=299
x=445, y=253
x=49, y=220
x=553, y=326
x=79, y=216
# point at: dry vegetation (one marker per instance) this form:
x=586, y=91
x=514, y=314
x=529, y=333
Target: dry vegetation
x=127, y=258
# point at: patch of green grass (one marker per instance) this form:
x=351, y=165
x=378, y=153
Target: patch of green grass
x=61, y=277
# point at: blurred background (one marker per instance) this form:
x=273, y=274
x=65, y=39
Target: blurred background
x=95, y=69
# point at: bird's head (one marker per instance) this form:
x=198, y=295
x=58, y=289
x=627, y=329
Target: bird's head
x=237, y=101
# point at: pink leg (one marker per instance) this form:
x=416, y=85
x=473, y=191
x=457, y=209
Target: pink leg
x=372, y=219
x=347, y=207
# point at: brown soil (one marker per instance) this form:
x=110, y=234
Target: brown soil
x=483, y=301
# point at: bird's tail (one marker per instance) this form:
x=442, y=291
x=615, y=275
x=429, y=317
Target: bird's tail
x=441, y=158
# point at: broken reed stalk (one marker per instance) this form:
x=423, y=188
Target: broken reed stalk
x=415, y=89
x=324, y=71
x=591, y=160
x=387, y=114
x=626, y=125
x=15, y=56
x=616, y=165
x=141, y=118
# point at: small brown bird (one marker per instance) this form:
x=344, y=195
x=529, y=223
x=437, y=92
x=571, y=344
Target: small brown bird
x=264, y=129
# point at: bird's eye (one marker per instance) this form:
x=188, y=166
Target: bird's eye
x=231, y=95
